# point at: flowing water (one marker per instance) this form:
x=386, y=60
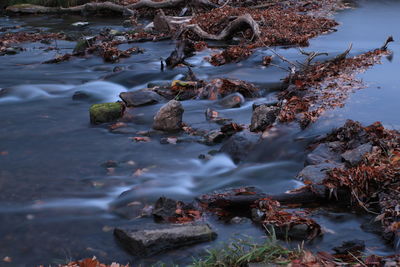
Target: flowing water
x=55, y=195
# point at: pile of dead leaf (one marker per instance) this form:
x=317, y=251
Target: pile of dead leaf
x=283, y=220
x=277, y=27
x=324, y=85
x=374, y=182
x=13, y=38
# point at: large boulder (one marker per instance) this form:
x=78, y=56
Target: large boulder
x=169, y=117
x=240, y=144
x=141, y=98
x=151, y=239
x=105, y=112
x=263, y=116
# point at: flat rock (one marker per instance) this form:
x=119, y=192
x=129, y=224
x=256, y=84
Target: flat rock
x=324, y=153
x=356, y=155
x=141, y=98
x=239, y=145
x=263, y=116
x=352, y=246
x=151, y=239
x=169, y=117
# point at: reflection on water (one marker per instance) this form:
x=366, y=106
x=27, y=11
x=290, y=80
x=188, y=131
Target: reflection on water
x=55, y=192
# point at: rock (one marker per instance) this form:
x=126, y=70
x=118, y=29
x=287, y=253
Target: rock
x=110, y=164
x=239, y=145
x=120, y=38
x=353, y=247
x=79, y=95
x=239, y=220
x=214, y=137
x=325, y=153
x=127, y=23
x=232, y=101
x=355, y=156
x=106, y=112
x=80, y=24
x=151, y=239
x=141, y=98
x=316, y=174
x=169, y=117
x=263, y=116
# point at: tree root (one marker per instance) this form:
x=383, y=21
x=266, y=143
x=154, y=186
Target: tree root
x=172, y=3
x=231, y=29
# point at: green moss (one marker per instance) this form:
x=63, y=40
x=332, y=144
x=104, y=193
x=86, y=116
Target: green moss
x=105, y=112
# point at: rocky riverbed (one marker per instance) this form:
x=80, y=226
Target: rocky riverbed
x=138, y=151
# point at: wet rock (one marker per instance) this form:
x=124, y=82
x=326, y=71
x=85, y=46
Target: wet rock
x=83, y=44
x=151, y=239
x=316, y=174
x=127, y=23
x=110, y=164
x=232, y=101
x=169, y=117
x=79, y=95
x=239, y=220
x=141, y=98
x=233, y=199
x=239, y=145
x=263, y=116
x=214, y=137
x=356, y=155
x=325, y=153
x=352, y=247
x=106, y=112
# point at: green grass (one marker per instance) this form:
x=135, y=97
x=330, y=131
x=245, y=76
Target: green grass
x=243, y=251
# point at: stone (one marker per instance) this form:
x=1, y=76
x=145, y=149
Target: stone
x=356, y=155
x=152, y=239
x=214, y=137
x=353, y=246
x=105, y=112
x=169, y=117
x=141, y=98
x=324, y=153
x=79, y=95
x=239, y=145
x=316, y=174
x=263, y=117
x=234, y=100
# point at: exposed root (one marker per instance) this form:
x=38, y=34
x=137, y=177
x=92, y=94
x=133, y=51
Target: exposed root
x=233, y=27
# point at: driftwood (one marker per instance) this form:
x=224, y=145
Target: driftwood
x=171, y=4
x=86, y=8
x=233, y=27
x=92, y=7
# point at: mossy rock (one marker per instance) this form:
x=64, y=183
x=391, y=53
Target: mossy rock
x=105, y=112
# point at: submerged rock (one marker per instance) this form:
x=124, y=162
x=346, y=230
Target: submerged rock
x=232, y=101
x=356, y=155
x=151, y=239
x=141, y=98
x=169, y=117
x=105, y=112
x=263, y=116
x=239, y=145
